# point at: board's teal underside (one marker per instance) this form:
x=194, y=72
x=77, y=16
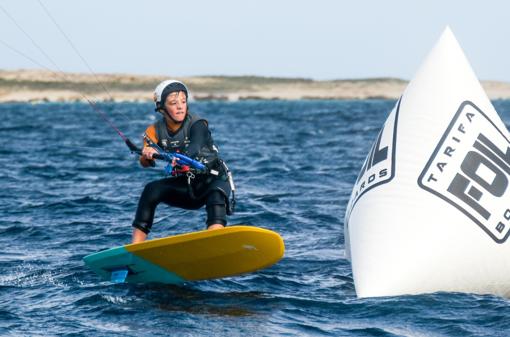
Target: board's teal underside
x=140, y=270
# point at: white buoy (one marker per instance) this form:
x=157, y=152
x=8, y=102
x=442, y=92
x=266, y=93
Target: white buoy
x=430, y=210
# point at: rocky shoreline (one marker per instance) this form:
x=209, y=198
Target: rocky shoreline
x=45, y=86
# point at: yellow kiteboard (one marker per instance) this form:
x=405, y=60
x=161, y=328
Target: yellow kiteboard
x=190, y=257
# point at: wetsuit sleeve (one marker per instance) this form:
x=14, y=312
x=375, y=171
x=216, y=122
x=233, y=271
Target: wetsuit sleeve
x=151, y=132
x=199, y=134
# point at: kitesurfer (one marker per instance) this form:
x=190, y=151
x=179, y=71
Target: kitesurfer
x=179, y=131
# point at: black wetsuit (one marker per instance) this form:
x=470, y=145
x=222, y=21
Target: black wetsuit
x=206, y=189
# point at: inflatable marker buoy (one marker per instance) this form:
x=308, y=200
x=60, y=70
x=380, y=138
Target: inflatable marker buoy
x=430, y=210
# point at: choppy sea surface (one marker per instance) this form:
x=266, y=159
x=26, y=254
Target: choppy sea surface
x=69, y=187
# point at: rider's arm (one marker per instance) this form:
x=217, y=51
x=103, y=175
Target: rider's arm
x=199, y=134
x=147, y=151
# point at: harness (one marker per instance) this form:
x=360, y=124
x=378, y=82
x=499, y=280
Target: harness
x=178, y=144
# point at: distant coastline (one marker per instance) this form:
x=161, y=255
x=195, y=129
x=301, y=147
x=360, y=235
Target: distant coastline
x=45, y=86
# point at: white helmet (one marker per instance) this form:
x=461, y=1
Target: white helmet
x=165, y=88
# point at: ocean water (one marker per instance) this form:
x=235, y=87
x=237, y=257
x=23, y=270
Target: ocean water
x=69, y=187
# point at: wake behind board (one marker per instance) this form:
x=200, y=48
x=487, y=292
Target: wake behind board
x=190, y=257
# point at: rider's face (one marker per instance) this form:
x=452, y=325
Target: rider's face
x=176, y=105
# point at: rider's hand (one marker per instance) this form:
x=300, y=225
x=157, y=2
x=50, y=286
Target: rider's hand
x=148, y=152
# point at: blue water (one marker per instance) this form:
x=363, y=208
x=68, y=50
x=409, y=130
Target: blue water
x=69, y=188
